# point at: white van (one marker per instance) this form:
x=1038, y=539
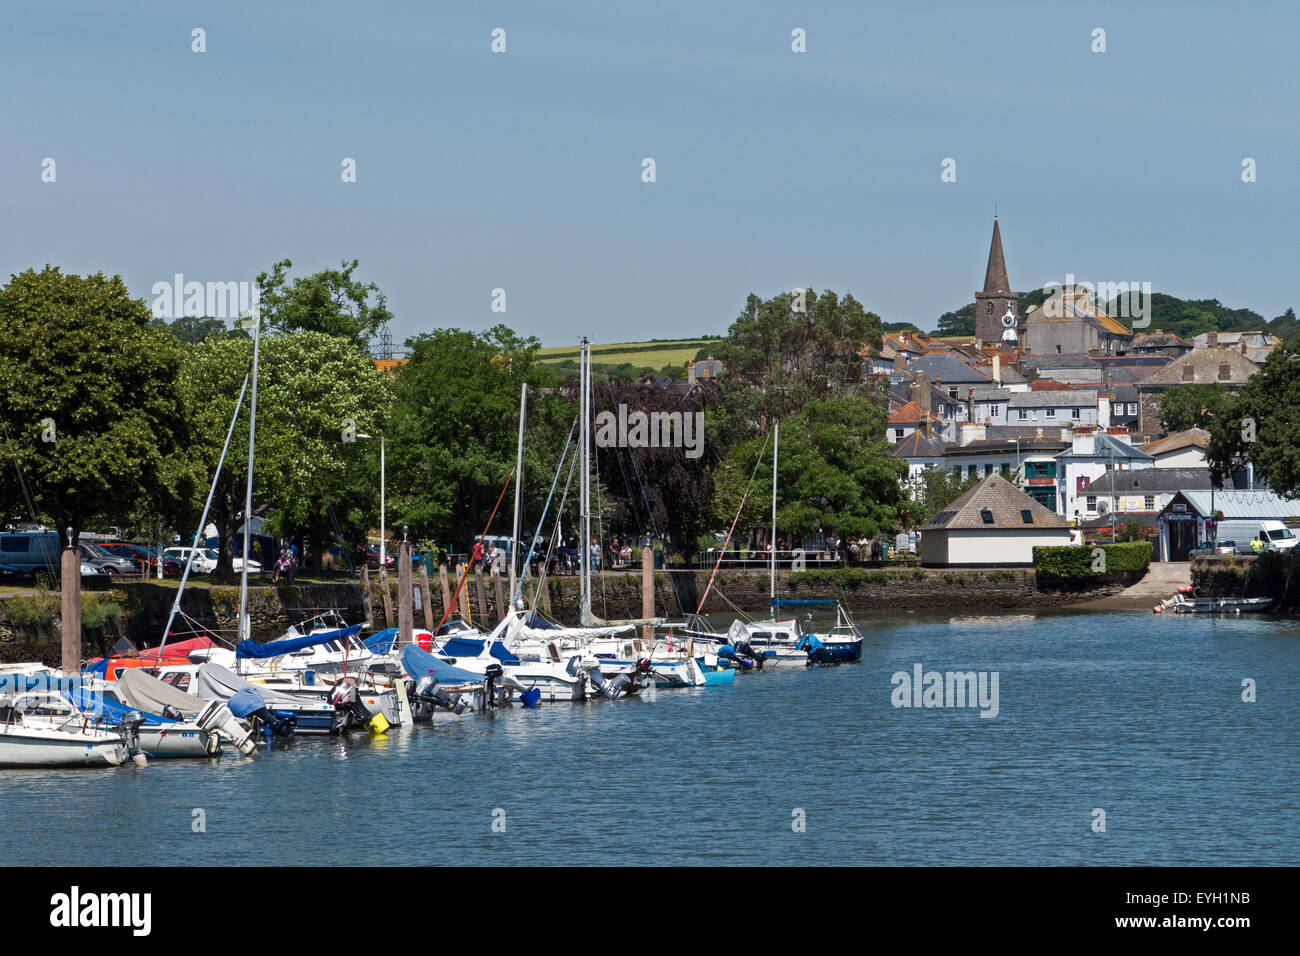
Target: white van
x=1274, y=534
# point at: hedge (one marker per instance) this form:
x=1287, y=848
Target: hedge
x=1073, y=561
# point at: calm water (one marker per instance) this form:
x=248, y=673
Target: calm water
x=1135, y=714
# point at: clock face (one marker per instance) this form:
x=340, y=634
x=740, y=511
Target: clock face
x=1008, y=320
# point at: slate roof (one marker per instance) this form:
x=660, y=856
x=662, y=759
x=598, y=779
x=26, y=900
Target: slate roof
x=1205, y=363
x=1081, y=397
x=1003, y=500
x=944, y=369
x=1103, y=444
x=1144, y=481
x=917, y=445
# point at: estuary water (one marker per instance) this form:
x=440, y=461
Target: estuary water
x=1139, y=716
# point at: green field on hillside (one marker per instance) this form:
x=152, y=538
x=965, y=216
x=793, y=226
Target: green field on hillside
x=649, y=354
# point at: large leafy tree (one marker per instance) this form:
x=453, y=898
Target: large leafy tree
x=780, y=357
x=835, y=473
x=316, y=393
x=1193, y=406
x=453, y=431
x=332, y=301
x=1262, y=425
x=665, y=489
x=88, y=397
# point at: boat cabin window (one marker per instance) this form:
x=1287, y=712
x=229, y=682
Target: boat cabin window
x=761, y=635
x=180, y=680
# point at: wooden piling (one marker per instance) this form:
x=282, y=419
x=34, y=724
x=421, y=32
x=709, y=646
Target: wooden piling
x=429, y=619
x=447, y=606
x=70, y=571
x=404, y=594
x=500, y=595
x=365, y=596
x=647, y=592
x=388, y=598
x=482, y=597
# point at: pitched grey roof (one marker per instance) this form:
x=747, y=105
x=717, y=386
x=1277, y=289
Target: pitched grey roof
x=1149, y=481
x=947, y=370
x=1073, y=360
x=982, y=393
x=1006, y=504
x=1055, y=398
x=1205, y=364
x=917, y=445
x=1103, y=444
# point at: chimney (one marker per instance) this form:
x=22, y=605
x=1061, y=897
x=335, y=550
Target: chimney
x=1243, y=345
x=922, y=397
x=1189, y=373
x=971, y=432
x=1225, y=372
x=900, y=361
x=1103, y=410
x=997, y=367
x=970, y=404
x=1212, y=340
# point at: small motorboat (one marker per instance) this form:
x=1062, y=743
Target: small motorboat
x=1183, y=604
x=151, y=695
x=52, y=741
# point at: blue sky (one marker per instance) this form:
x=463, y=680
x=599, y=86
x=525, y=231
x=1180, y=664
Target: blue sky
x=774, y=169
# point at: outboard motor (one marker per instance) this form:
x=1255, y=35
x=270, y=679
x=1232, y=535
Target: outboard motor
x=619, y=687
x=492, y=673
x=345, y=699
x=171, y=713
x=216, y=718
x=249, y=704
x=129, y=728
x=746, y=651
x=429, y=696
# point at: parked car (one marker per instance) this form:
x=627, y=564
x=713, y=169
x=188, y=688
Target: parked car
x=106, y=561
x=34, y=553
x=141, y=554
x=368, y=554
x=201, y=560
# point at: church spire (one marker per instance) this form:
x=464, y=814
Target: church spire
x=995, y=276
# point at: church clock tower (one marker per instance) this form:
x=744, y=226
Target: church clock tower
x=997, y=298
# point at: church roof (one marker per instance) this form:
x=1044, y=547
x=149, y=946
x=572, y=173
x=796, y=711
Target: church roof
x=995, y=276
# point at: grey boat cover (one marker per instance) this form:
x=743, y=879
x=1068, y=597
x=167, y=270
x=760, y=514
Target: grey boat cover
x=219, y=683
x=147, y=693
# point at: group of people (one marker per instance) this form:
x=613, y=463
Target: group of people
x=566, y=558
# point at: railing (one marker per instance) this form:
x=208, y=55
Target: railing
x=744, y=559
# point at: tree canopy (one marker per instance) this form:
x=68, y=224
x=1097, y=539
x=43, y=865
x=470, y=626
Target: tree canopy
x=1262, y=425
x=331, y=301
x=87, y=388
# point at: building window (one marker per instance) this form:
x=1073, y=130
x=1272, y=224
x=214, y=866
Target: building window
x=988, y=469
x=1051, y=413
x=1006, y=470
x=1074, y=413
x=1023, y=415
x=996, y=410
x=898, y=434
x=1149, y=502
x=1132, y=408
x=1092, y=502
x=1058, y=350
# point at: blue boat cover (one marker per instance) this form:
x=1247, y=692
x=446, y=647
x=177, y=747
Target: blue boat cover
x=462, y=647
x=246, y=701
x=809, y=643
x=727, y=652
x=540, y=623
x=417, y=662
x=98, y=669
x=287, y=645
x=107, y=711
x=500, y=652
x=381, y=642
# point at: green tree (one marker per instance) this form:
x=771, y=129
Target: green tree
x=778, y=358
x=1193, y=406
x=453, y=430
x=933, y=491
x=1262, y=425
x=835, y=474
x=332, y=301
x=191, y=330
x=90, y=408
x=314, y=390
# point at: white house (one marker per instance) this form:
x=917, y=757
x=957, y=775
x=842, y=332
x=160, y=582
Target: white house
x=1054, y=407
x=1091, y=453
x=1180, y=449
x=993, y=524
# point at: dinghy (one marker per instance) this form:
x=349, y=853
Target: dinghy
x=46, y=742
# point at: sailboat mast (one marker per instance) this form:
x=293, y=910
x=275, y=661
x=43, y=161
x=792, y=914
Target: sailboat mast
x=244, y=629
x=776, y=444
x=519, y=474
x=584, y=500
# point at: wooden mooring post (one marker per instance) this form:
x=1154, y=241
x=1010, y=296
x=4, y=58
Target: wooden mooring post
x=70, y=610
x=447, y=606
x=388, y=598
x=647, y=592
x=365, y=596
x=482, y=596
x=405, y=599
x=429, y=619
